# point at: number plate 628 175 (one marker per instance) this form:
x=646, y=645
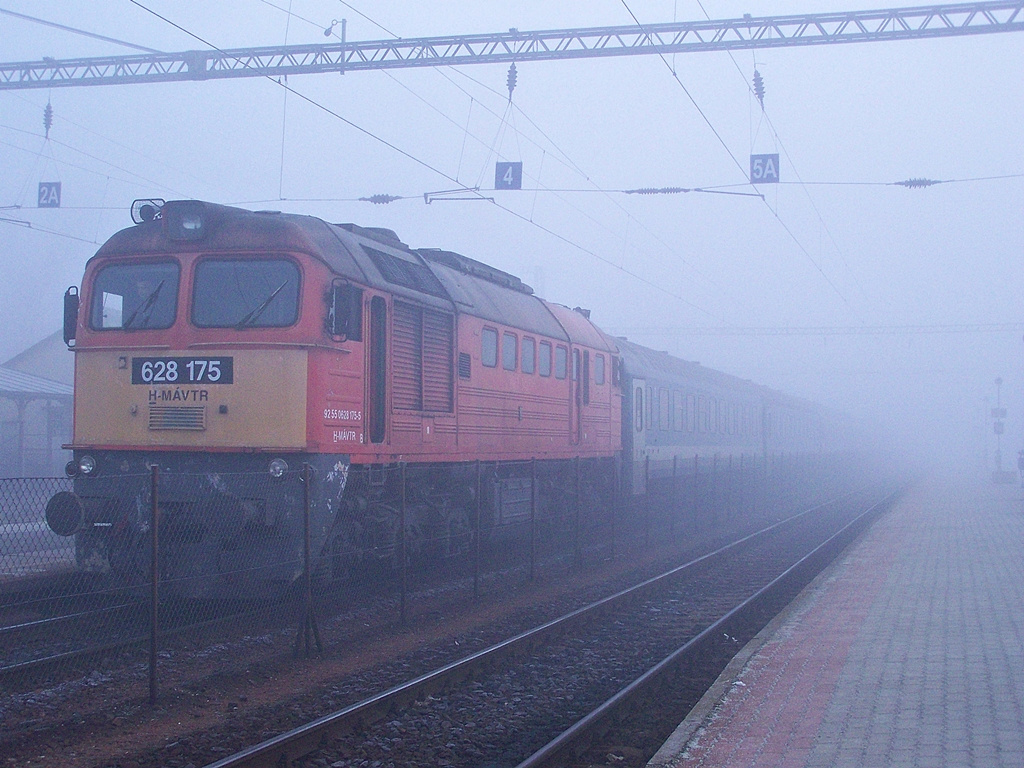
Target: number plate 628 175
x=182, y=370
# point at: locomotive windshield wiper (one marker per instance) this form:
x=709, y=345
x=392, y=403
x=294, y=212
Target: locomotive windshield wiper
x=145, y=307
x=253, y=316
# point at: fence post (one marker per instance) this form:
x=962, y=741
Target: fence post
x=577, y=551
x=647, y=500
x=696, y=488
x=533, y=515
x=673, y=500
x=730, y=505
x=714, y=488
x=476, y=534
x=308, y=630
x=402, y=548
x=616, y=492
x=154, y=576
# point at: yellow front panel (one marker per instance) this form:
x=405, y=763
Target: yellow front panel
x=263, y=407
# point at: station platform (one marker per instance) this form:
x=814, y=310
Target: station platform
x=907, y=651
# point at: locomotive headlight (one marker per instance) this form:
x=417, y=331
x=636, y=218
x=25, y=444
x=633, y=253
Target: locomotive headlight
x=184, y=220
x=87, y=465
x=277, y=468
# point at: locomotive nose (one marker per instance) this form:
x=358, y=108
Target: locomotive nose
x=65, y=513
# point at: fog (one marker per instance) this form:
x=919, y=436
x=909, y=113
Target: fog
x=914, y=292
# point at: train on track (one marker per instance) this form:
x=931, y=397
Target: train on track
x=233, y=348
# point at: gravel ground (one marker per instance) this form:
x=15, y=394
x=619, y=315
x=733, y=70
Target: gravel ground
x=220, y=695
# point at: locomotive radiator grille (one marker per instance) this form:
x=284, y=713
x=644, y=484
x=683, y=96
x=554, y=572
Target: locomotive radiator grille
x=177, y=417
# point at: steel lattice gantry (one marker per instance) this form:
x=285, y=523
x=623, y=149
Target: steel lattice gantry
x=631, y=40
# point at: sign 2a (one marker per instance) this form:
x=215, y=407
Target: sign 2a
x=49, y=194
x=764, y=169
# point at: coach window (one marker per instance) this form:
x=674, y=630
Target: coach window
x=561, y=362
x=134, y=296
x=508, y=351
x=544, y=361
x=691, y=413
x=529, y=351
x=663, y=410
x=245, y=293
x=651, y=410
x=599, y=369
x=677, y=410
x=639, y=409
x=489, y=347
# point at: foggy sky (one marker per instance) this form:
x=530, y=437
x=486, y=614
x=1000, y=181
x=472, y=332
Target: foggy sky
x=848, y=118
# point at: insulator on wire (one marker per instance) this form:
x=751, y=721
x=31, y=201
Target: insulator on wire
x=917, y=183
x=512, y=77
x=656, y=191
x=48, y=118
x=379, y=199
x=759, y=87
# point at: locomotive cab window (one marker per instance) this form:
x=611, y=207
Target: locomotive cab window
x=245, y=293
x=134, y=296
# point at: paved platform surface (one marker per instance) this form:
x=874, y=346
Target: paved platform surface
x=907, y=651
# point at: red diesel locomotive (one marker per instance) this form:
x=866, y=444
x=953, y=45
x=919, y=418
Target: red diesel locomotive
x=230, y=348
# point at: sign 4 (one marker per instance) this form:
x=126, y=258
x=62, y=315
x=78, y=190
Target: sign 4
x=508, y=175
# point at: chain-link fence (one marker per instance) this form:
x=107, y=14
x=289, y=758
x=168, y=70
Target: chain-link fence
x=175, y=576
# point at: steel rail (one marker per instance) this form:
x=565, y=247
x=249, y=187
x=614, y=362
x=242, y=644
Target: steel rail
x=764, y=603
x=283, y=749
x=748, y=32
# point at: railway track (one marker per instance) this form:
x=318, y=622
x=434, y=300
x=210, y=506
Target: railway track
x=541, y=698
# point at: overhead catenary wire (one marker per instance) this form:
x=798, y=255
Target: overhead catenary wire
x=743, y=170
x=423, y=163
x=562, y=157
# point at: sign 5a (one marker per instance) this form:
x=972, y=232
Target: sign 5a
x=764, y=169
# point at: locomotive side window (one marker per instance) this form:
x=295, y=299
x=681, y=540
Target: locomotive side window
x=691, y=413
x=663, y=409
x=677, y=410
x=245, y=293
x=134, y=296
x=489, y=347
x=586, y=377
x=651, y=410
x=529, y=355
x=639, y=409
x=599, y=369
x=508, y=351
x=544, y=361
x=561, y=362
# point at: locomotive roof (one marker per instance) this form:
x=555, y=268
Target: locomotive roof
x=370, y=256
